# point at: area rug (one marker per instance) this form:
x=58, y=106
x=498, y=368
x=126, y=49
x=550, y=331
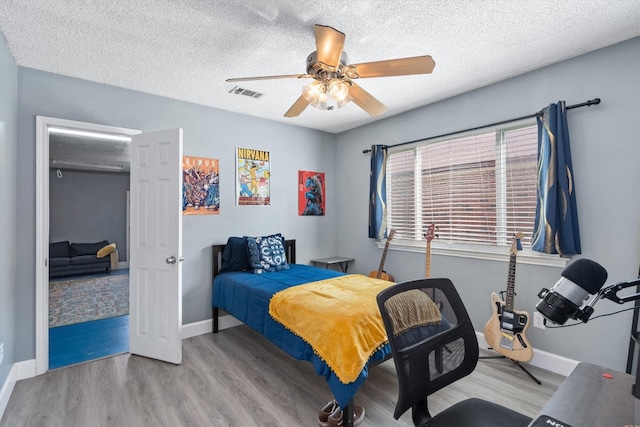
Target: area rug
x=88, y=298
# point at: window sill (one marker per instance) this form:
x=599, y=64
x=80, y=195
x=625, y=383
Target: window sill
x=489, y=253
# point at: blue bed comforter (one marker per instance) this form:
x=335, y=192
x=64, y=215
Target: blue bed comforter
x=246, y=296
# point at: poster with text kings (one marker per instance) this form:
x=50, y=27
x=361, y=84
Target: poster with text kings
x=200, y=186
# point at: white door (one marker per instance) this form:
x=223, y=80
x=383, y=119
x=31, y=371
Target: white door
x=155, y=269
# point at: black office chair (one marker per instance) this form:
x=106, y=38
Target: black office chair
x=434, y=344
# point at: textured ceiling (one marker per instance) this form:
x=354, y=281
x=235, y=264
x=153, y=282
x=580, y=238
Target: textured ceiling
x=185, y=49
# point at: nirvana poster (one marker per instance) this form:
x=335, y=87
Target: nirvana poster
x=311, y=200
x=200, y=186
x=252, y=177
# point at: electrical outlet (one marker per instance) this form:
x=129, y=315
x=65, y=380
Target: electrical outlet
x=538, y=320
x=1, y=352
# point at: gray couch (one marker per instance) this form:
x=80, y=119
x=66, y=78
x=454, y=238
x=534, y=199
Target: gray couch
x=71, y=258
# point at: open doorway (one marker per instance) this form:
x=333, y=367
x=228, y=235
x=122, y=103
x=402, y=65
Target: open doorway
x=88, y=268
x=69, y=162
x=88, y=317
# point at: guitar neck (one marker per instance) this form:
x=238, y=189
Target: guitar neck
x=427, y=272
x=382, y=260
x=511, y=279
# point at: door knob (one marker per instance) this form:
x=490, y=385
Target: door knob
x=171, y=260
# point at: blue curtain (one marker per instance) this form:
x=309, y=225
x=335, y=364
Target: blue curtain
x=556, y=224
x=378, y=193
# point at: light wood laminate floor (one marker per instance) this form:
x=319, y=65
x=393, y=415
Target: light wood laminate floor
x=238, y=378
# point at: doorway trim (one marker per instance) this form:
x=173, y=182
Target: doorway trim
x=42, y=224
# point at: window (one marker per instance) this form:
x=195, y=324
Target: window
x=476, y=188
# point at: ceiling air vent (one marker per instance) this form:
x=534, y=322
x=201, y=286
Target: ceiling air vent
x=246, y=92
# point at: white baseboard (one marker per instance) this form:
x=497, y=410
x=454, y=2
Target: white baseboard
x=26, y=369
x=542, y=359
x=7, y=389
x=19, y=371
x=206, y=326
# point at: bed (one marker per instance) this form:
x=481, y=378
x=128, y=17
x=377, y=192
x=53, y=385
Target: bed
x=247, y=297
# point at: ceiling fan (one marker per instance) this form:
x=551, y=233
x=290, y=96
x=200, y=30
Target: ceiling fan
x=334, y=76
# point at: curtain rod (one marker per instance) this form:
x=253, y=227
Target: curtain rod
x=594, y=101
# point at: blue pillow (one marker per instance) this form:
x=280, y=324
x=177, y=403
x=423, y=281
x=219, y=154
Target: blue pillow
x=267, y=253
x=234, y=256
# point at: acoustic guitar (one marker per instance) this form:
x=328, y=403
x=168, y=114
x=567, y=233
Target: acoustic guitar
x=380, y=273
x=505, y=331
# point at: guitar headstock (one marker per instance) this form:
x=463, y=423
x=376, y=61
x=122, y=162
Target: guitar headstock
x=430, y=232
x=392, y=233
x=515, y=243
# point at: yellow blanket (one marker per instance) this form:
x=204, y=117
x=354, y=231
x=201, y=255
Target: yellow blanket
x=338, y=317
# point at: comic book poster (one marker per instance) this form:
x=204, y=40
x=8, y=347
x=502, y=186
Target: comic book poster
x=200, y=186
x=252, y=177
x=311, y=200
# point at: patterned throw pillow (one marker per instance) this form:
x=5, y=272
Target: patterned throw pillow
x=267, y=253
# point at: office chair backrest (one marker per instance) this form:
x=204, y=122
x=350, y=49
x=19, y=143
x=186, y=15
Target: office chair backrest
x=431, y=337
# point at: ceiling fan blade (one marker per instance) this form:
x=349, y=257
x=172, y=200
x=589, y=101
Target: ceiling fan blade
x=297, y=107
x=366, y=101
x=288, y=76
x=329, y=44
x=395, y=67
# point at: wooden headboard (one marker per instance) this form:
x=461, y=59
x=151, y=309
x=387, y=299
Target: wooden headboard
x=289, y=248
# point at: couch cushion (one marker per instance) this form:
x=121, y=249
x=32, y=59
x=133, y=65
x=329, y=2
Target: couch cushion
x=89, y=259
x=59, y=250
x=59, y=262
x=87, y=248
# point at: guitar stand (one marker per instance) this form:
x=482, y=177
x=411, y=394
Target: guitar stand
x=517, y=364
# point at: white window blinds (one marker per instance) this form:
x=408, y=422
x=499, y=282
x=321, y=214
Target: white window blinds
x=477, y=188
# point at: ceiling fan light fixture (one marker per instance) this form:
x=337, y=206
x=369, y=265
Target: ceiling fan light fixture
x=344, y=102
x=313, y=91
x=339, y=92
x=350, y=72
x=321, y=103
x=316, y=95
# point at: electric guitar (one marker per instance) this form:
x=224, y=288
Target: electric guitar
x=505, y=331
x=380, y=273
x=429, y=235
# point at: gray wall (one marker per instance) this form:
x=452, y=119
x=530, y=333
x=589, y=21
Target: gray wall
x=207, y=133
x=605, y=155
x=8, y=206
x=87, y=207
x=605, y=147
